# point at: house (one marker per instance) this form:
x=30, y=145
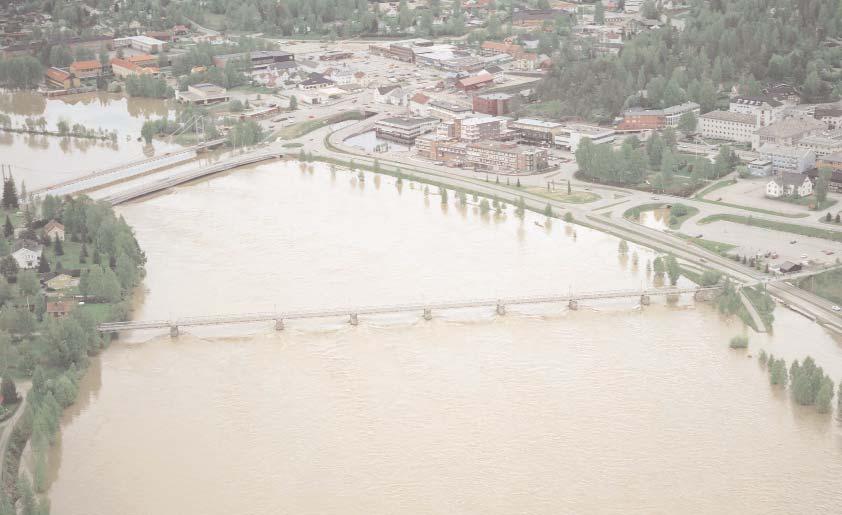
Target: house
x=783, y=93
x=62, y=282
x=794, y=185
x=418, y=104
x=143, y=60
x=760, y=167
x=54, y=230
x=787, y=267
x=391, y=94
x=59, y=309
x=28, y=255
x=122, y=68
x=495, y=71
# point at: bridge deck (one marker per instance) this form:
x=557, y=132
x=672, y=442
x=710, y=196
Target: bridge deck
x=396, y=308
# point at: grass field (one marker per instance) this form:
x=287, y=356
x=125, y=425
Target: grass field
x=713, y=246
x=827, y=285
x=296, y=130
x=675, y=221
x=715, y=186
x=777, y=226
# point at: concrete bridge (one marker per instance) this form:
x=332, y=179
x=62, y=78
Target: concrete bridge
x=126, y=171
x=424, y=309
x=190, y=175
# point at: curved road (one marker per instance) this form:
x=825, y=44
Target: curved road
x=8, y=425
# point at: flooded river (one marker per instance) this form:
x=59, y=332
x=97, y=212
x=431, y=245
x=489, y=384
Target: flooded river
x=44, y=160
x=608, y=409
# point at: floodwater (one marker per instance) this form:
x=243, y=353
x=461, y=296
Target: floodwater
x=656, y=218
x=369, y=142
x=608, y=409
x=45, y=160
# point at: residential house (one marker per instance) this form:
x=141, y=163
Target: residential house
x=28, y=254
x=794, y=185
x=59, y=309
x=54, y=230
x=315, y=81
x=418, y=104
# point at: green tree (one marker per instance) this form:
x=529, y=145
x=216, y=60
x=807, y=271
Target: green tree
x=821, y=186
x=673, y=269
x=548, y=210
x=8, y=390
x=8, y=228
x=599, y=13
x=293, y=103
x=58, y=248
x=10, y=194
x=687, y=122
x=824, y=396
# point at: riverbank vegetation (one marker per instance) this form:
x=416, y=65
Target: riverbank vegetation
x=739, y=342
x=827, y=285
x=47, y=330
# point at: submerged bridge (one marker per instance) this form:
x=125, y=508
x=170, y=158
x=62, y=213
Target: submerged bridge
x=425, y=309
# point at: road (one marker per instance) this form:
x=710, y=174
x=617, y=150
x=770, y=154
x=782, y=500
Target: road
x=8, y=425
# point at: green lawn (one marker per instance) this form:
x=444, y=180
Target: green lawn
x=675, y=221
x=777, y=226
x=827, y=285
x=713, y=246
x=296, y=130
x=715, y=186
x=575, y=197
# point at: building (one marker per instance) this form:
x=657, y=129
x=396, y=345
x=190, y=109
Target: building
x=143, y=60
x=823, y=143
x=391, y=95
x=649, y=119
x=404, y=129
x=782, y=93
x=59, y=309
x=794, y=185
x=570, y=136
x=315, y=81
x=830, y=161
x=258, y=59
x=787, y=159
x=729, y=126
x=473, y=129
x=122, y=68
x=447, y=110
x=536, y=131
x=760, y=167
x=28, y=255
x=418, y=104
x=495, y=156
x=203, y=94
x=491, y=48
x=54, y=230
x=632, y=6
x=535, y=17
x=86, y=69
x=476, y=82
x=60, y=79
x=143, y=43
x=835, y=183
x=766, y=109
x=494, y=104
x=788, y=267
x=495, y=71
x=829, y=115
x=789, y=131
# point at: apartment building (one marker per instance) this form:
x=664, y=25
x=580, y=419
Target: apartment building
x=494, y=104
x=404, y=129
x=493, y=156
x=447, y=110
x=789, y=131
x=643, y=119
x=473, y=129
x=766, y=109
x=729, y=126
x=536, y=131
x=823, y=143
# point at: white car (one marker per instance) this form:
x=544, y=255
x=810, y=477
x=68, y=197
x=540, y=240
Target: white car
x=836, y=308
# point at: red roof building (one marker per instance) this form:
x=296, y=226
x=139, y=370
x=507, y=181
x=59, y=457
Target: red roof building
x=475, y=82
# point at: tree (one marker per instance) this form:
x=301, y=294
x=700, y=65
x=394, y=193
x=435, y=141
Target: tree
x=10, y=194
x=548, y=211
x=673, y=269
x=8, y=228
x=43, y=264
x=9, y=267
x=623, y=247
x=599, y=13
x=293, y=103
x=57, y=246
x=821, y=186
x=824, y=396
x=687, y=122
x=8, y=390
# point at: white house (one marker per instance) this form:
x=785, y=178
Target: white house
x=54, y=230
x=789, y=185
x=392, y=95
x=418, y=104
x=27, y=257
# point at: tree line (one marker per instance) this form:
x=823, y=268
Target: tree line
x=808, y=383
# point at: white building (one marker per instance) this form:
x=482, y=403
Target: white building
x=28, y=256
x=392, y=95
x=787, y=159
x=632, y=6
x=760, y=167
x=418, y=104
x=729, y=126
x=789, y=185
x=823, y=143
x=143, y=43
x=203, y=94
x=570, y=136
x=789, y=131
x=766, y=109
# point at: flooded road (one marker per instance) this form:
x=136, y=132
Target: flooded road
x=609, y=409
x=41, y=160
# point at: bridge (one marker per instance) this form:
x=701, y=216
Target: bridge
x=125, y=171
x=425, y=309
x=190, y=175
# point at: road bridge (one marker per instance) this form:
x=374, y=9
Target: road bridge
x=425, y=309
x=125, y=171
x=190, y=175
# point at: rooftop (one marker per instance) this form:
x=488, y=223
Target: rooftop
x=783, y=150
x=791, y=127
x=408, y=121
x=537, y=123
x=730, y=116
x=449, y=106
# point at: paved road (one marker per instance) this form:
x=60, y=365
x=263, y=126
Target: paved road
x=7, y=426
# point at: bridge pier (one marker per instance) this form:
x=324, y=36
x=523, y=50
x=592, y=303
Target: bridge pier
x=501, y=308
x=645, y=300
x=428, y=314
x=173, y=331
x=279, y=324
x=354, y=319
x=573, y=305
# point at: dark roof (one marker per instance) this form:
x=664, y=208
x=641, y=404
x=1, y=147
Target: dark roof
x=382, y=90
x=750, y=100
x=788, y=266
x=316, y=79
x=493, y=69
